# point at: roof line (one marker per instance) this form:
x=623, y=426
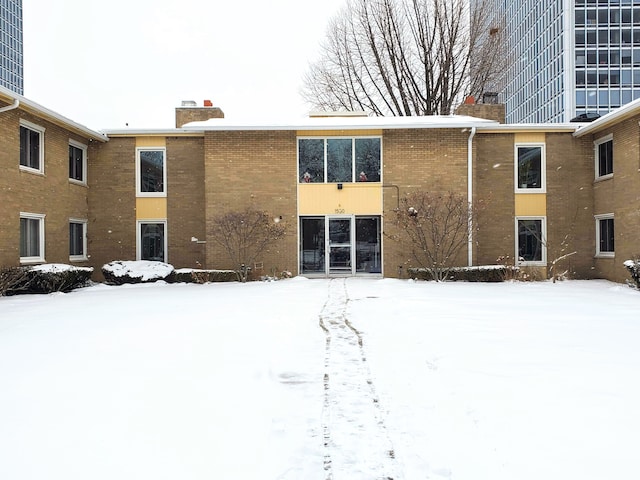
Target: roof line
x=29, y=105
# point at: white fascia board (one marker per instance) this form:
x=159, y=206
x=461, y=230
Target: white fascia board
x=153, y=132
x=530, y=127
x=45, y=113
x=617, y=115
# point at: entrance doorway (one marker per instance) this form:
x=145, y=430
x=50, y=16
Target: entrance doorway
x=340, y=245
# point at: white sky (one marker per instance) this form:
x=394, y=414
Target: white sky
x=108, y=63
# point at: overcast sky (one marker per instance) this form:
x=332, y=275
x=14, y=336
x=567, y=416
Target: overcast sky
x=108, y=63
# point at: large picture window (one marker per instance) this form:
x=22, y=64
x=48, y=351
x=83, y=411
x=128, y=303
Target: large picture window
x=151, y=172
x=530, y=168
x=77, y=162
x=605, y=236
x=604, y=156
x=339, y=160
x=531, y=234
x=31, y=147
x=31, y=238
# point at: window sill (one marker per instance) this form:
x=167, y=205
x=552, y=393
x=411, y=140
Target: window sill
x=603, y=178
x=32, y=171
x=605, y=255
x=531, y=264
x=31, y=260
x=151, y=195
x=78, y=258
x=80, y=183
x=530, y=190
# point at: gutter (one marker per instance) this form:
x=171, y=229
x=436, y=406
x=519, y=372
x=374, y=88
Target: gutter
x=16, y=104
x=470, y=195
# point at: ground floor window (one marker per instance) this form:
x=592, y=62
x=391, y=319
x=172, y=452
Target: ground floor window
x=77, y=240
x=605, y=240
x=531, y=238
x=31, y=237
x=340, y=245
x=152, y=241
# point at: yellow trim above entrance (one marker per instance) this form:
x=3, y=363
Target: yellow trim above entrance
x=338, y=133
x=151, y=142
x=530, y=204
x=151, y=208
x=352, y=199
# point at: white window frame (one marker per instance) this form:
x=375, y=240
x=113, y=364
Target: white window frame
x=543, y=240
x=35, y=128
x=40, y=218
x=598, y=218
x=543, y=167
x=84, y=148
x=354, y=173
x=84, y=256
x=596, y=150
x=139, y=237
x=140, y=193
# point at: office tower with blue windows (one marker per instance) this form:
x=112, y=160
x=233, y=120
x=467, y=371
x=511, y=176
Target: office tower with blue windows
x=567, y=58
x=11, y=52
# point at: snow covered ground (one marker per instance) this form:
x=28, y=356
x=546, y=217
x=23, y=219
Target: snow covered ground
x=317, y=379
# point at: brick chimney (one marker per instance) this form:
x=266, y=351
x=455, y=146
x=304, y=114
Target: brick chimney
x=489, y=109
x=189, y=111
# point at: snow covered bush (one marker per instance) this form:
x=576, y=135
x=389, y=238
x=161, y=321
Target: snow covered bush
x=633, y=266
x=12, y=280
x=488, y=273
x=142, y=271
x=190, y=275
x=46, y=278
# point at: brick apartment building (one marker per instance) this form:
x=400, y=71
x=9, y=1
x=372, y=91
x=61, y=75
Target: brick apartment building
x=333, y=180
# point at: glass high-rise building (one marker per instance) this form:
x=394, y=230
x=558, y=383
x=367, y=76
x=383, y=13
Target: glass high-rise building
x=565, y=58
x=11, y=51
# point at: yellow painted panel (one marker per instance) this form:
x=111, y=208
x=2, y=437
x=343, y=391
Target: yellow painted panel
x=531, y=204
x=353, y=199
x=151, y=208
x=529, y=137
x=338, y=133
x=151, y=142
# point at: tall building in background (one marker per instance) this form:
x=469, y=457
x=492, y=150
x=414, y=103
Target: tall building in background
x=567, y=57
x=11, y=52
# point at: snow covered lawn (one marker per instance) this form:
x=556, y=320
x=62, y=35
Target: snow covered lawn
x=316, y=379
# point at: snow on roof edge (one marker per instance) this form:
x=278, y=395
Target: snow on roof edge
x=343, y=123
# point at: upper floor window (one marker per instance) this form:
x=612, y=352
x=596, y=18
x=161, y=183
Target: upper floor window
x=77, y=161
x=604, y=156
x=339, y=160
x=151, y=172
x=530, y=168
x=31, y=147
x=605, y=240
x=31, y=237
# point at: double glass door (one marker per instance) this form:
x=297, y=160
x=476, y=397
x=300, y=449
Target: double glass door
x=340, y=245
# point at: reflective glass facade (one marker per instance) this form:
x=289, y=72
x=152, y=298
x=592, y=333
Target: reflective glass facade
x=568, y=57
x=11, y=51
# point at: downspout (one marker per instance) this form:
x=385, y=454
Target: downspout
x=16, y=104
x=470, y=195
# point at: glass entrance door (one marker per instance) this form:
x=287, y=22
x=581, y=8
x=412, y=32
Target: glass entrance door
x=339, y=245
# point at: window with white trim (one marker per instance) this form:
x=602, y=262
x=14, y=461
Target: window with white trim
x=531, y=240
x=152, y=240
x=77, y=240
x=605, y=235
x=151, y=172
x=604, y=156
x=31, y=237
x=77, y=162
x=31, y=147
x=339, y=160
x=530, y=168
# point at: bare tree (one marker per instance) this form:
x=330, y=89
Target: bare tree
x=245, y=236
x=435, y=228
x=405, y=57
